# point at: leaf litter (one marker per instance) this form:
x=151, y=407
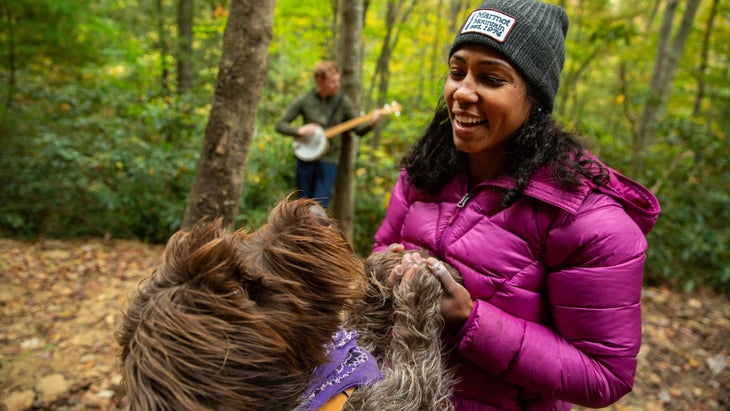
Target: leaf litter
x=61, y=301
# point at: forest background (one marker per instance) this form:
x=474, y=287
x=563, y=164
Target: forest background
x=100, y=138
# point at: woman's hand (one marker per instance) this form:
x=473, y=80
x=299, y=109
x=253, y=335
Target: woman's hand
x=456, y=302
x=407, y=268
x=396, y=248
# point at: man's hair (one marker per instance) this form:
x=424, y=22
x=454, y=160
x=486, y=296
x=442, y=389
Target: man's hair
x=325, y=68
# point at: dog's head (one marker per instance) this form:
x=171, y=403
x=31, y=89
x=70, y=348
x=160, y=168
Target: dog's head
x=372, y=316
x=402, y=327
x=239, y=320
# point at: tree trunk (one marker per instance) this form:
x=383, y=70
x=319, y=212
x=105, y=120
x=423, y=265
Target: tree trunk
x=218, y=182
x=437, y=61
x=164, y=71
x=722, y=110
x=456, y=9
x=382, y=71
x=351, y=62
x=11, y=83
x=704, y=58
x=185, y=46
x=665, y=66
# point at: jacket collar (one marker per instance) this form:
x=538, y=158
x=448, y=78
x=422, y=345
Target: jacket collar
x=638, y=201
x=544, y=188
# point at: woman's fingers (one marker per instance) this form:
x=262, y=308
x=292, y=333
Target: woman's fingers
x=395, y=277
x=442, y=273
x=456, y=302
x=396, y=248
x=410, y=259
x=403, y=273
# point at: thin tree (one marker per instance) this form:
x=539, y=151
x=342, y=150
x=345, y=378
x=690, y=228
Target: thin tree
x=162, y=44
x=350, y=52
x=217, y=185
x=669, y=53
x=597, y=31
x=393, y=19
x=184, y=46
x=702, y=71
x=10, y=25
x=456, y=15
x=431, y=56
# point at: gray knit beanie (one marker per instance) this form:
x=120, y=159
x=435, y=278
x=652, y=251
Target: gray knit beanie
x=529, y=33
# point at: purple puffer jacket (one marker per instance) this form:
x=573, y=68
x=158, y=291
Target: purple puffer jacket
x=556, y=282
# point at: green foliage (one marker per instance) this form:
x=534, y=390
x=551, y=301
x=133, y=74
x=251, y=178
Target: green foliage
x=690, y=173
x=95, y=145
x=85, y=187
x=42, y=32
x=94, y=161
x=376, y=175
x=691, y=244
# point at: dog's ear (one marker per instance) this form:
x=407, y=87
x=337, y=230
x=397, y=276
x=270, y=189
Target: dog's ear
x=205, y=257
x=303, y=253
x=302, y=274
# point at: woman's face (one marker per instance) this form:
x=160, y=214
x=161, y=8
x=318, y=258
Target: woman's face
x=487, y=101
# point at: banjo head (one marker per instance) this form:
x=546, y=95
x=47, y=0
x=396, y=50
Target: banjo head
x=312, y=147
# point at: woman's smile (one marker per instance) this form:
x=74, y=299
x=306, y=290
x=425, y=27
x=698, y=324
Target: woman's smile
x=486, y=98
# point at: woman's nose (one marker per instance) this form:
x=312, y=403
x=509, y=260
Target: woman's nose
x=465, y=91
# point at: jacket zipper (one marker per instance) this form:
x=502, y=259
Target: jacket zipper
x=459, y=206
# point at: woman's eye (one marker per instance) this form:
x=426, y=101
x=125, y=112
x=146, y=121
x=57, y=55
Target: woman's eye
x=456, y=74
x=492, y=80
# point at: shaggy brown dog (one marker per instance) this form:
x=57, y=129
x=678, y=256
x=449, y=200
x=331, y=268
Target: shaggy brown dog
x=238, y=320
x=402, y=328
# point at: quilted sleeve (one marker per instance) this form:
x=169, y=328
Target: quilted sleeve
x=595, y=266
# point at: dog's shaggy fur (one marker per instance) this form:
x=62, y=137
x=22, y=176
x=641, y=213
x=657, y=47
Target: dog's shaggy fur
x=402, y=328
x=239, y=320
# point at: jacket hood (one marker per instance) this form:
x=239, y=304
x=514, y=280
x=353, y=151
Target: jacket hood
x=638, y=202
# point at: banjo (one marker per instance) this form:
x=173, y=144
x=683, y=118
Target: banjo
x=312, y=147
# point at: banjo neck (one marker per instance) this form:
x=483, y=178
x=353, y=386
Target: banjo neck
x=352, y=123
x=312, y=147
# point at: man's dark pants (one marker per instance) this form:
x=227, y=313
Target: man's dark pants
x=315, y=179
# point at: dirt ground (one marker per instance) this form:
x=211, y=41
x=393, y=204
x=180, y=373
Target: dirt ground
x=62, y=300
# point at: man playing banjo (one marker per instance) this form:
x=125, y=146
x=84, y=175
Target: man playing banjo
x=317, y=154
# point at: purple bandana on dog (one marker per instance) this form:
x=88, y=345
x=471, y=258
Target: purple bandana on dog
x=349, y=366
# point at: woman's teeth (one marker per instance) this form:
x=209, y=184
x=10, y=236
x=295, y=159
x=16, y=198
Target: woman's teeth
x=468, y=121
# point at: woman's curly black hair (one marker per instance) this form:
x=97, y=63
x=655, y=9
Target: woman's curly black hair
x=434, y=160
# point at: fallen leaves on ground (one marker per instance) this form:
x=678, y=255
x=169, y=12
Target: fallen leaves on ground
x=61, y=302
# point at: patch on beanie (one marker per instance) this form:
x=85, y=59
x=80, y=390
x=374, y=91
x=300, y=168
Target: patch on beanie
x=491, y=23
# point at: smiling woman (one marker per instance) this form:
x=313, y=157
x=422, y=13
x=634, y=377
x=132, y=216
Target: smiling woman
x=549, y=240
x=487, y=102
